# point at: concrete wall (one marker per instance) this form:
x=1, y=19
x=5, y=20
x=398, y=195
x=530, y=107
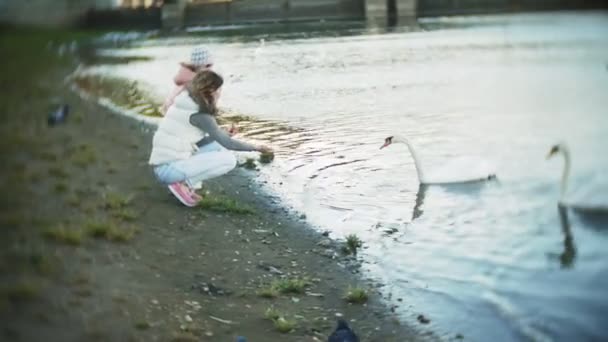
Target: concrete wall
x=454, y=7
x=250, y=11
x=48, y=12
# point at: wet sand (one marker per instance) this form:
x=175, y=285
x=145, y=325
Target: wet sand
x=94, y=249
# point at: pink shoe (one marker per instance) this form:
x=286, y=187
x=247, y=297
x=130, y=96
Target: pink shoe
x=183, y=194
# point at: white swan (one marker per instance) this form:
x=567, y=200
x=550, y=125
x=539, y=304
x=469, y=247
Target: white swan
x=592, y=197
x=481, y=173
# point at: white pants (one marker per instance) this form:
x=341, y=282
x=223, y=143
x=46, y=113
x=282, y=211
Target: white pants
x=210, y=161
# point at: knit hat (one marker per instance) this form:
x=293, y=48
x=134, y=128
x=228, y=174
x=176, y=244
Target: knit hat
x=200, y=56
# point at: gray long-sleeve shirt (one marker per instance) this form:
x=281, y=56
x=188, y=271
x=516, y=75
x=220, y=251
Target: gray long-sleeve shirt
x=208, y=124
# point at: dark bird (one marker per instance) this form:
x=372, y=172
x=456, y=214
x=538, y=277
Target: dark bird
x=343, y=333
x=59, y=115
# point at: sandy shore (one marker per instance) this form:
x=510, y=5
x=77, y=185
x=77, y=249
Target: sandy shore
x=94, y=249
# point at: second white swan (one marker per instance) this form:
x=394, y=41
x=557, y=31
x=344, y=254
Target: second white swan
x=590, y=197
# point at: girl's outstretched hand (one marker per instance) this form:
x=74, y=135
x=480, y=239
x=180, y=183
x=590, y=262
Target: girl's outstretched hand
x=264, y=149
x=233, y=129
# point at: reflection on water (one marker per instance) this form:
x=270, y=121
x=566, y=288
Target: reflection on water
x=567, y=257
x=503, y=89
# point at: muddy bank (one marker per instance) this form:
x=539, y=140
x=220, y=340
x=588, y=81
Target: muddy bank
x=94, y=249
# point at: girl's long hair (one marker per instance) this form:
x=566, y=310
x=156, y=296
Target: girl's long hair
x=202, y=87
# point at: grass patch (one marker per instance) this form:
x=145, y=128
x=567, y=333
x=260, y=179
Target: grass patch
x=109, y=231
x=116, y=201
x=281, y=324
x=58, y=172
x=34, y=177
x=21, y=291
x=225, y=205
x=125, y=214
x=83, y=292
x=60, y=188
x=98, y=229
x=142, y=325
x=12, y=219
x=268, y=292
x=64, y=235
x=272, y=314
x=266, y=157
x=143, y=187
x=41, y=264
x=284, y=325
x=122, y=235
x=46, y=156
x=353, y=243
x=83, y=155
x=356, y=295
x=249, y=164
x=290, y=285
x=73, y=201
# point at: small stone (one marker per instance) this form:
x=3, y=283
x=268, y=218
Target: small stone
x=325, y=243
x=188, y=318
x=328, y=253
x=339, y=315
x=423, y=319
x=154, y=301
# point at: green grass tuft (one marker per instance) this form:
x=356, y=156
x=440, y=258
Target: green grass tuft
x=125, y=215
x=290, y=285
x=142, y=325
x=109, y=231
x=58, y=172
x=356, y=295
x=62, y=234
x=114, y=200
x=281, y=324
x=268, y=292
x=284, y=325
x=60, y=187
x=272, y=314
x=21, y=291
x=353, y=243
x=83, y=155
x=225, y=205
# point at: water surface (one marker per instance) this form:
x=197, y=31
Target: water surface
x=492, y=261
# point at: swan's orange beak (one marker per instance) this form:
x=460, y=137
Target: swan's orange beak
x=385, y=145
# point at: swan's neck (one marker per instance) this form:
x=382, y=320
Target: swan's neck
x=416, y=160
x=566, y=173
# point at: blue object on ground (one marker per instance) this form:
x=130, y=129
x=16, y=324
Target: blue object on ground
x=343, y=333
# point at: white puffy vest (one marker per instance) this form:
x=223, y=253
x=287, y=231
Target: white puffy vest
x=175, y=137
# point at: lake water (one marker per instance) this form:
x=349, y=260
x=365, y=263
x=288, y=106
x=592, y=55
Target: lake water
x=492, y=261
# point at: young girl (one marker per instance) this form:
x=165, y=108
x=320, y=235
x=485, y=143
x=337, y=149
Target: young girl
x=200, y=59
x=189, y=146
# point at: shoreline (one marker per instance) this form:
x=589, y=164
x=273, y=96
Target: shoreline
x=157, y=271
